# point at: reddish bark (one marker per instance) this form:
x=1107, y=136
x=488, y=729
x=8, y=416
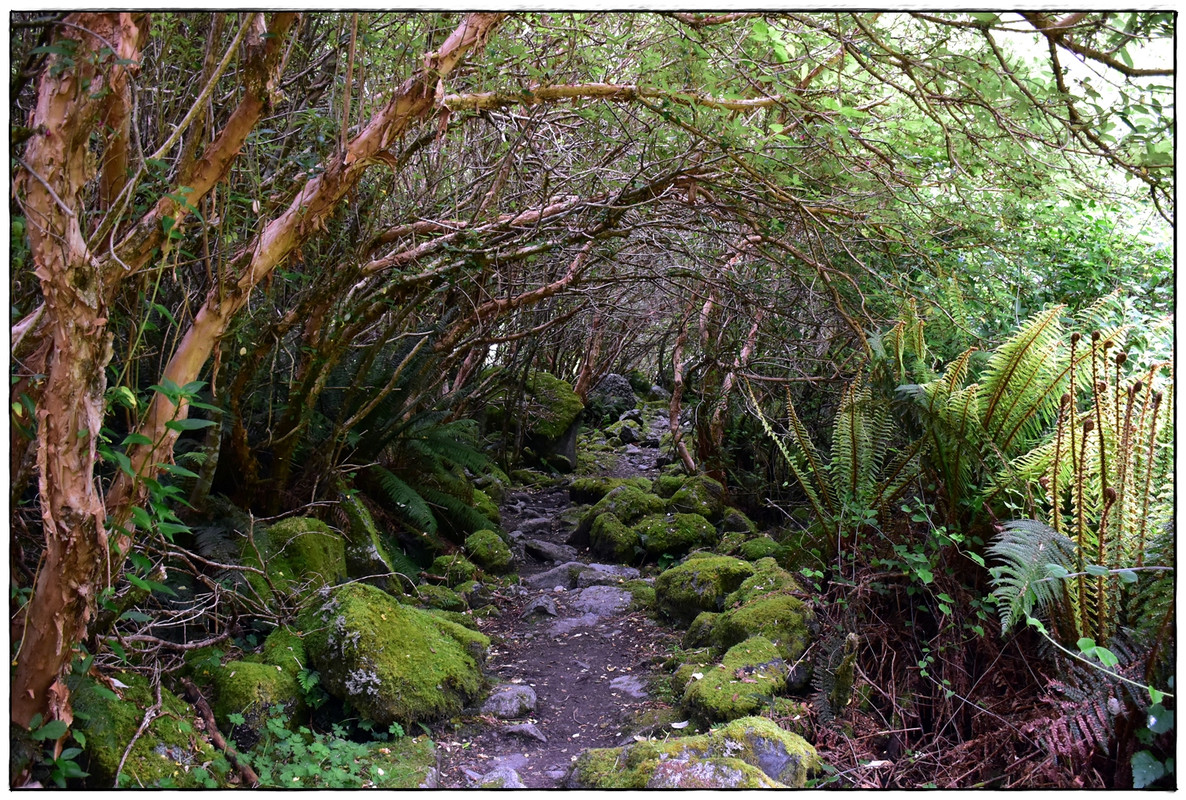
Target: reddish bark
x=70, y=105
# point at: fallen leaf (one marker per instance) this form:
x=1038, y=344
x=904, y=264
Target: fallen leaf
x=680, y=725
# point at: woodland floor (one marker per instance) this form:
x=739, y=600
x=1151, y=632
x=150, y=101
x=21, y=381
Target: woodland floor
x=590, y=680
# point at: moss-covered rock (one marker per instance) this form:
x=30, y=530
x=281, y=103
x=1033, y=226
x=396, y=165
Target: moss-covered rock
x=674, y=534
x=768, y=578
x=699, y=584
x=780, y=618
x=533, y=477
x=748, y=675
x=628, y=503
x=750, y=752
x=701, y=495
x=257, y=692
x=454, y=568
x=667, y=485
x=440, y=597
x=734, y=520
x=591, y=488
x=170, y=752
x=283, y=648
x=366, y=554
x=614, y=540
x=486, y=506
x=475, y=593
x=626, y=431
x=300, y=555
x=761, y=547
x=489, y=551
x=554, y=407
x=392, y=662
x=700, y=631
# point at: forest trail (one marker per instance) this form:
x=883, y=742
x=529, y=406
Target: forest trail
x=571, y=638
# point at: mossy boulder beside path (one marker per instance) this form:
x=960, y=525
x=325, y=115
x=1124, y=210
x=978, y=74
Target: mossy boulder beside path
x=392, y=662
x=699, y=584
x=748, y=753
x=299, y=555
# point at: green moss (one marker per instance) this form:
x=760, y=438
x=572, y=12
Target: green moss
x=284, y=649
x=616, y=428
x=300, y=554
x=531, y=477
x=489, y=551
x=554, y=405
x=734, y=520
x=699, y=584
x=768, y=577
x=440, y=597
x=392, y=662
x=627, y=503
x=454, y=568
x=731, y=542
x=761, y=547
x=612, y=539
x=749, y=674
x=642, y=595
x=747, y=753
x=590, y=489
x=701, y=495
x=252, y=690
x=674, y=534
x=700, y=631
x=485, y=506
x=456, y=617
x=169, y=753
x=667, y=485
x=779, y=617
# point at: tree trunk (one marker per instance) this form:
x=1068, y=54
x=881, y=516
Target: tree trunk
x=58, y=166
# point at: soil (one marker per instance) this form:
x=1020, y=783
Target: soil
x=591, y=681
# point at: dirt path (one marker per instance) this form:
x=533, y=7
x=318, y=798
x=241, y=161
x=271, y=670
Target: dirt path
x=588, y=663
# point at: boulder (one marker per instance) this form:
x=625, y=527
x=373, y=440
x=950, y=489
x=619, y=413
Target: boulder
x=432, y=596
x=699, y=584
x=489, y=551
x=747, y=676
x=548, y=551
x=667, y=485
x=673, y=534
x=761, y=547
x=299, y=554
x=605, y=575
x=590, y=489
x=602, y=601
x=167, y=752
x=628, y=503
x=750, y=752
x=701, y=495
x=509, y=701
x=392, y=662
x=550, y=416
x=454, y=568
x=612, y=395
x=612, y=539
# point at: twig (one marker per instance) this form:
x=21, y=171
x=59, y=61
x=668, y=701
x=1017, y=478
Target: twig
x=194, y=695
x=149, y=716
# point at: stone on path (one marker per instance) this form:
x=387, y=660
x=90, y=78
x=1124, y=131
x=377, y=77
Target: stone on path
x=528, y=730
x=549, y=551
x=605, y=574
x=603, y=601
x=541, y=605
x=631, y=685
x=510, y=701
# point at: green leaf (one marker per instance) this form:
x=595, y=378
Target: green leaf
x=1161, y=720
x=136, y=438
x=1086, y=644
x=1145, y=769
x=188, y=424
x=1057, y=571
x=181, y=472
x=1106, y=657
x=1127, y=576
x=141, y=518
x=235, y=719
x=139, y=583
x=54, y=729
x=1096, y=570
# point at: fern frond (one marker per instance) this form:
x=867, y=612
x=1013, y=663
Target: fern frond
x=464, y=517
x=1020, y=382
x=1022, y=583
x=407, y=503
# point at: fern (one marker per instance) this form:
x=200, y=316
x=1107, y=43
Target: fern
x=463, y=516
x=407, y=503
x=1022, y=583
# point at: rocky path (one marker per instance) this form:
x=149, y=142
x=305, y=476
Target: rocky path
x=570, y=657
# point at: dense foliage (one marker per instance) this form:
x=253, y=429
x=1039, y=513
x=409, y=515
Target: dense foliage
x=266, y=263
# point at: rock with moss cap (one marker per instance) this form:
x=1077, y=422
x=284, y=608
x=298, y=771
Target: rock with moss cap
x=735, y=521
x=628, y=503
x=674, y=534
x=300, y=555
x=168, y=753
x=454, y=568
x=761, y=547
x=392, y=662
x=612, y=539
x=486, y=506
x=667, y=485
x=747, y=676
x=701, y=495
x=700, y=631
x=591, y=488
x=752, y=752
x=256, y=692
x=366, y=555
x=443, y=598
x=699, y=584
x=489, y=551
